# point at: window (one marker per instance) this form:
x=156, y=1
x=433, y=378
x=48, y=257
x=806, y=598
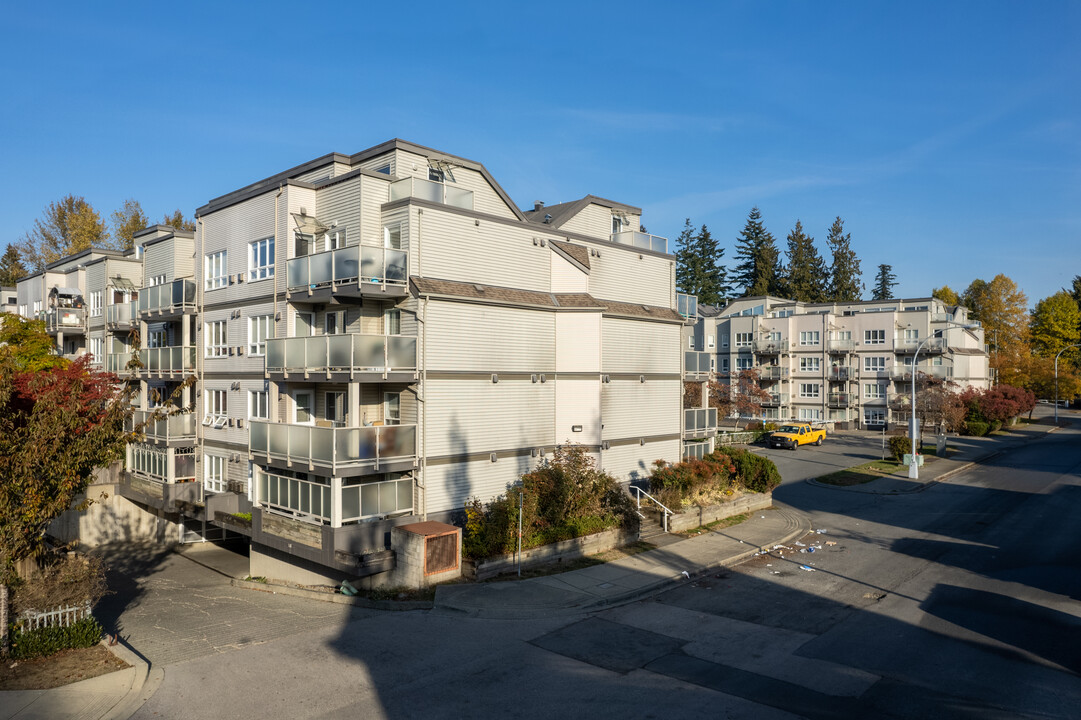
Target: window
x=335, y=239
x=774, y=337
x=261, y=259
x=810, y=414
x=258, y=404
x=334, y=323
x=744, y=363
x=809, y=364
x=385, y=169
x=217, y=408
x=874, y=391
x=392, y=321
x=709, y=341
x=809, y=337
x=936, y=361
x=260, y=329
x=213, y=473
x=724, y=364
x=874, y=416
x=617, y=224
x=724, y=340
x=808, y=390
x=436, y=175
x=842, y=335
x=392, y=408
x=97, y=349
x=304, y=322
x=217, y=336
x=156, y=280
x=874, y=364
x=690, y=342
x=392, y=236
x=744, y=339
x=303, y=407
x=215, y=270
x=912, y=336
x=874, y=337
x=335, y=407
x=94, y=302
x=157, y=338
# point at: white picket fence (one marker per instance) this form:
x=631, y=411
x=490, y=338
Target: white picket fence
x=57, y=617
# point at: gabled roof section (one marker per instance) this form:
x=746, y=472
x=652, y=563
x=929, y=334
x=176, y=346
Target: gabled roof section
x=652, y=312
x=270, y=183
x=438, y=155
x=503, y=295
x=563, y=212
x=576, y=254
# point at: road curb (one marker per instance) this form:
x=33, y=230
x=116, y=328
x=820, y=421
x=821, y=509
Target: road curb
x=336, y=598
x=144, y=684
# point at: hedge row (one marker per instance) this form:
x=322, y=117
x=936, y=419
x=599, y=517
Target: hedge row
x=49, y=640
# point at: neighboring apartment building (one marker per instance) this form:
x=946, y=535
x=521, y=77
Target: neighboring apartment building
x=9, y=300
x=845, y=363
x=373, y=339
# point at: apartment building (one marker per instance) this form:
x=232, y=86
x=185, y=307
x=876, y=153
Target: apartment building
x=850, y=364
x=366, y=341
x=9, y=300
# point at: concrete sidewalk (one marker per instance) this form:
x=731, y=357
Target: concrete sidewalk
x=623, y=580
x=971, y=451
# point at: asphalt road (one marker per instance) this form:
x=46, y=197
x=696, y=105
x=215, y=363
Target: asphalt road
x=958, y=601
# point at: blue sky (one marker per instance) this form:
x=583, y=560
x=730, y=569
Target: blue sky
x=946, y=135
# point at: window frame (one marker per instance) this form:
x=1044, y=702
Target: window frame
x=216, y=262
x=811, y=391
x=211, y=349
x=261, y=265
x=808, y=338
x=258, y=400
x=874, y=337
x=257, y=342
x=810, y=364
x=214, y=482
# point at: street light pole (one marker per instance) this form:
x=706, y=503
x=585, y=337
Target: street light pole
x=1056, y=376
x=913, y=466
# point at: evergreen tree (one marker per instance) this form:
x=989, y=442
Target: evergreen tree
x=11, y=267
x=713, y=289
x=806, y=277
x=844, y=284
x=758, y=270
x=688, y=271
x=885, y=281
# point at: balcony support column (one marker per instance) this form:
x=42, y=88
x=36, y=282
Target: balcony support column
x=272, y=402
x=335, y=502
x=352, y=415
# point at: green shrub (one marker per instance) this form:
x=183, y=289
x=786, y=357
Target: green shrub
x=977, y=428
x=693, y=480
x=754, y=472
x=900, y=445
x=49, y=640
x=996, y=425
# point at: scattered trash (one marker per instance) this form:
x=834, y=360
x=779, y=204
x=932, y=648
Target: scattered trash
x=686, y=574
x=821, y=532
x=799, y=544
x=769, y=564
x=873, y=596
x=808, y=569
x=774, y=572
x=830, y=543
x=762, y=516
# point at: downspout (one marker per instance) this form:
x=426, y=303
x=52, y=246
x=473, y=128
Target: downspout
x=281, y=189
x=199, y=312
x=424, y=412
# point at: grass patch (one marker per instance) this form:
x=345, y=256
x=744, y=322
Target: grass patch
x=555, y=568
x=875, y=469
x=715, y=525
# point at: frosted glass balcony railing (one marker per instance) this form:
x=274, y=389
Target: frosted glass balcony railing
x=645, y=241
x=768, y=346
x=163, y=465
x=353, y=264
x=118, y=314
x=932, y=345
x=365, y=500
x=118, y=363
x=180, y=426
x=354, y=352
x=699, y=419
x=334, y=448
x=775, y=400
x=431, y=191
x=180, y=358
x=64, y=319
x=839, y=400
x=687, y=306
x=176, y=297
x=315, y=501
x=841, y=346
x=695, y=363
x=772, y=372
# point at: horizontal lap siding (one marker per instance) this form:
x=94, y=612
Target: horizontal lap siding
x=183, y=257
x=567, y=278
x=132, y=271
x=578, y=411
x=578, y=342
x=232, y=228
x=635, y=346
x=632, y=409
x=455, y=247
x=159, y=259
x=449, y=486
x=374, y=192
x=635, y=462
x=592, y=220
x=620, y=274
x=485, y=198
x=470, y=415
x=487, y=338
x=320, y=173
x=341, y=204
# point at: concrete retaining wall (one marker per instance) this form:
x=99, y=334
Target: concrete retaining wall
x=696, y=517
x=560, y=551
x=112, y=518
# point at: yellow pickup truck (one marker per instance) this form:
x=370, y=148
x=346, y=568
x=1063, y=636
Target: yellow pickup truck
x=793, y=435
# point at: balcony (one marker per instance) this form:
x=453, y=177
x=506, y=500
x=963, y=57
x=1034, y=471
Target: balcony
x=699, y=422
x=371, y=357
x=121, y=317
x=839, y=400
x=179, y=359
x=118, y=363
x=696, y=364
x=687, y=306
x=333, y=450
x=177, y=430
x=65, y=320
x=931, y=346
x=645, y=241
x=323, y=504
x=770, y=347
x=904, y=372
x=772, y=372
x=840, y=373
x=160, y=477
x=170, y=299
x=775, y=400
x=353, y=271
x=841, y=346
x=436, y=192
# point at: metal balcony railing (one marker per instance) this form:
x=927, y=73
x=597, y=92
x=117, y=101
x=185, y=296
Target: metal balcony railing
x=641, y=240
x=904, y=372
x=175, y=359
x=118, y=363
x=930, y=345
x=775, y=400
x=360, y=264
x=337, y=449
x=175, y=298
x=65, y=320
x=173, y=428
x=162, y=465
x=841, y=374
x=432, y=191
x=119, y=316
x=355, y=352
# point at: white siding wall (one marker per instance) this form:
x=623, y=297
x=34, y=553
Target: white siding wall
x=319, y=173
x=470, y=415
x=341, y=203
x=487, y=338
x=634, y=462
x=449, y=486
x=629, y=276
x=631, y=409
x=183, y=257
x=374, y=193
x=566, y=278
x=578, y=342
x=485, y=198
x=578, y=402
x=592, y=220
x=232, y=228
x=635, y=346
x=159, y=259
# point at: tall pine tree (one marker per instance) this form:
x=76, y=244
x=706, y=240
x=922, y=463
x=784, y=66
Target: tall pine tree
x=885, y=281
x=688, y=272
x=806, y=277
x=845, y=284
x=758, y=270
x=11, y=267
x=713, y=289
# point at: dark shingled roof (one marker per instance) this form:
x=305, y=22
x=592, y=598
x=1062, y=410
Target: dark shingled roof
x=578, y=253
x=577, y=300
x=644, y=311
x=563, y=212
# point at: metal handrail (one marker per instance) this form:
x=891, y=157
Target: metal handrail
x=640, y=492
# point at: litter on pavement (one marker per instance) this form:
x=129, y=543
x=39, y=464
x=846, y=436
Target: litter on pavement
x=821, y=532
x=799, y=544
x=808, y=569
x=830, y=542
